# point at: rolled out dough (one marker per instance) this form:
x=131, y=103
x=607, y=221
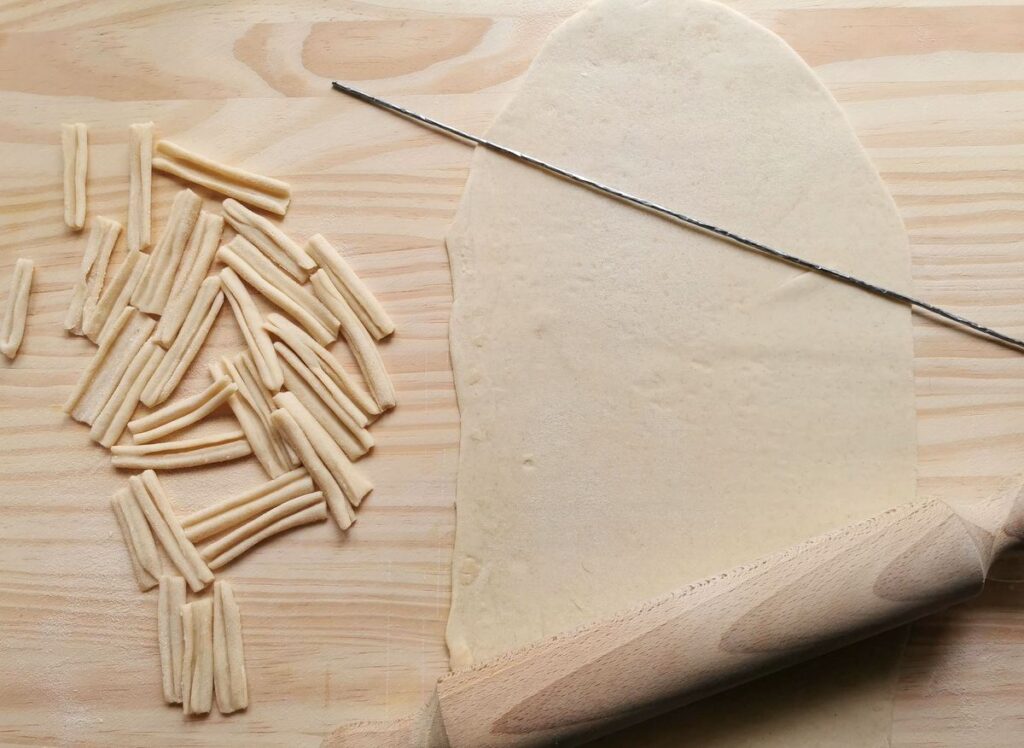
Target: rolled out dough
x=644, y=405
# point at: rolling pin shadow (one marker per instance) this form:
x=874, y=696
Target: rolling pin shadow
x=714, y=634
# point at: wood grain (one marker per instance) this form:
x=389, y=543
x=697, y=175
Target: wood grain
x=352, y=628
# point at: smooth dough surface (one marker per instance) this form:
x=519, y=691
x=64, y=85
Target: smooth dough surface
x=644, y=405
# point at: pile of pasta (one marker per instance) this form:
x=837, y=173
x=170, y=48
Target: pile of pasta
x=299, y=412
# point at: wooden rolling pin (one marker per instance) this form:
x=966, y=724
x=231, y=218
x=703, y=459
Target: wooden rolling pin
x=715, y=634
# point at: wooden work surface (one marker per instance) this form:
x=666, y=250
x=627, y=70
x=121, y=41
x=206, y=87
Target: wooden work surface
x=341, y=628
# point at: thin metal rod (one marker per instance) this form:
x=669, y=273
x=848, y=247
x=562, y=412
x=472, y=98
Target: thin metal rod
x=676, y=215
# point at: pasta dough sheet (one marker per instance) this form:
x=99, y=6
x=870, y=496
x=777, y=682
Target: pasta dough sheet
x=644, y=405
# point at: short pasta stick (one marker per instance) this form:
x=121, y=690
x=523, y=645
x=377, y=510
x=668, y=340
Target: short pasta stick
x=115, y=296
x=297, y=292
x=247, y=371
x=185, y=453
x=154, y=288
x=269, y=239
x=12, y=327
x=306, y=363
x=359, y=341
x=266, y=446
x=74, y=140
x=156, y=506
x=170, y=635
x=230, y=684
x=277, y=288
x=318, y=384
x=231, y=512
x=352, y=481
x=112, y=419
x=86, y=293
x=289, y=428
x=197, y=657
x=108, y=365
x=298, y=384
x=222, y=546
x=244, y=368
x=186, y=345
x=315, y=513
x=179, y=415
x=99, y=358
x=318, y=358
x=265, y=193
x=195, y=264
x=138, y=539
x=250, y=323
x=140, y=184
x=365, y=305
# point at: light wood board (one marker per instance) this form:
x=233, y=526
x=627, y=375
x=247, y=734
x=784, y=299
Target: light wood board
x=342, y=628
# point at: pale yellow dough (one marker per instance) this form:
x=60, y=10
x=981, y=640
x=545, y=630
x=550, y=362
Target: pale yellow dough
x=170, y=635
x=231, y=512
x=156, y=506
x=325, y=367
x=154, y=287
x=195, y=263
x=15, y=310
x=86, y=293
x=252, y=406
x=251, y=325
x=182, y=413
x=256, y=190
x=359, y=340
x=269, y=239
x=301, y=382
x=277, y=288
x=75, y=146
x=289, y=428
x=229, y=680
x=197, y=657
x=185, y=347
x=643, y=405
x=352, y=288
x=140, y=185
x=115, y=296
